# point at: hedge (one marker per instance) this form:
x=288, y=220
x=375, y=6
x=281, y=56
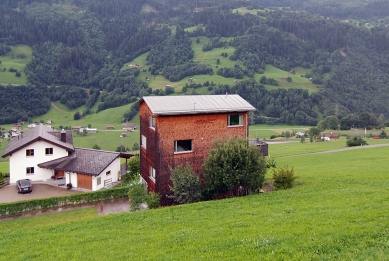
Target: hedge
x=63, y=201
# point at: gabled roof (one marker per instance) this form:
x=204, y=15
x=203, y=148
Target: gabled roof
x=37, y=133
x=83, y=161
x=196, y=104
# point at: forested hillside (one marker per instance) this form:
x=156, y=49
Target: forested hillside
x=80, y=46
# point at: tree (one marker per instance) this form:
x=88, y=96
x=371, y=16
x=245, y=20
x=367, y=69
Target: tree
x=186, y=184
x=234, y=167
x=218, y=61
x=314, y=132
x=134, y=166
x=289, y=79
x=135, y=146
x=77, y=116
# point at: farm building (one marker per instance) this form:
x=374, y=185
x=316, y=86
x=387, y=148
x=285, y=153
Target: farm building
x=179, y=129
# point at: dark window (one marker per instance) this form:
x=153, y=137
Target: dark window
x=107, y=173
x=30, y=170
x=235, y=120
x=30, y=152
x=49, y=151
x=182, y=146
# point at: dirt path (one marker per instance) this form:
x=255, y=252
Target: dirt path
x=339, y=150
x=56, y=107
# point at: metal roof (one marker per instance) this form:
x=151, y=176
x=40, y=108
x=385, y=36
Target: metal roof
x=196, y=104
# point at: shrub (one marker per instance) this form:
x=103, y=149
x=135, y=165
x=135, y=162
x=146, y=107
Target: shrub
x=137, y=195
x=186, y=185
x=153, y=200
x=355, y=141
x=283, y=178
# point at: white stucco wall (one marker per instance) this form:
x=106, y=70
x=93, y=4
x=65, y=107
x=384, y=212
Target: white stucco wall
x=114, y=168
x=18, y=161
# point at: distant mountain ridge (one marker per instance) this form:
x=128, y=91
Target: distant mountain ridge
x=79, y=47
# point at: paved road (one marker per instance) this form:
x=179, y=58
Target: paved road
x=10, y=193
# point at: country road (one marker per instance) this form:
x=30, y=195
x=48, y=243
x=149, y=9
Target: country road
x=338, y=150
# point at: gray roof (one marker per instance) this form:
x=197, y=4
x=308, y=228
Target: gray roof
x=40, y=132
x=83, y=161
x=196, y=104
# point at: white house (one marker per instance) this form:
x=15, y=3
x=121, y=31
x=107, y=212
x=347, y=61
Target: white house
x=41, y=152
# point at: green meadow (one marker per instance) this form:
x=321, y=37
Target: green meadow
x=19, y=56
x=210, y=57
x=337, y=211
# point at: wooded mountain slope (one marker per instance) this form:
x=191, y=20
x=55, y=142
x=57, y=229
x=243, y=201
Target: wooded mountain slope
x=80, y=46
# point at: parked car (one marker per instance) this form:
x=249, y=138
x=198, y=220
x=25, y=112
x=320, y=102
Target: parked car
x=24, y=185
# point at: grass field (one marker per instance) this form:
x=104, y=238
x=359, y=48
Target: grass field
x=210, y=57
x=338, y=211
x=11, y=60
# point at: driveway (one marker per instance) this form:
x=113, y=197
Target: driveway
x=10, y=193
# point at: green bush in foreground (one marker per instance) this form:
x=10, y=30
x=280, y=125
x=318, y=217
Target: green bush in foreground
x=283, y=178
x=138, y=195
x=186, y=185
x=355, y=141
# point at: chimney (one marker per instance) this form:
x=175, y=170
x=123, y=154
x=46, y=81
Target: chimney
x=63, y=135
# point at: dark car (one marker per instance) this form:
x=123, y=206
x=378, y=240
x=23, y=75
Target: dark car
x=24, y=186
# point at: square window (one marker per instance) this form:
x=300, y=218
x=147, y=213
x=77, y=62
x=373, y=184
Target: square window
x=30, y=170
x=143, y=141
x=182, y=146
x=152, y=122
x=108, y=173
x=152, y=174
x=235, y=120
x=49, y=151
x=30, y=153
x=98, y=181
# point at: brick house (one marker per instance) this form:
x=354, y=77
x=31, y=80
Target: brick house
x=179, y=129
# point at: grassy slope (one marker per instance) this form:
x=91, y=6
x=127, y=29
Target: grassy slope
x=210, y=57
x=338, y=211
x=7, y=62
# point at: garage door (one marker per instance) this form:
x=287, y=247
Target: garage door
x=84, y=181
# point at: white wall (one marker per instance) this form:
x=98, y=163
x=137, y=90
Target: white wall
x=19, y=162
x=114, y=168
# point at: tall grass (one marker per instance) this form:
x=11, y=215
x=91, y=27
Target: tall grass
x=338, y=211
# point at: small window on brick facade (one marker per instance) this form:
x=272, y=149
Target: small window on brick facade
x=152, y=122
x=143, y=142
x=152, y=174
x=181, y=146
x=235, y=120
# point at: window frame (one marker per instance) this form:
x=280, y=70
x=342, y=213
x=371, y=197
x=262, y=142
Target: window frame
x=30, y=170
x=176, y=151
x=240, y=120
x=143, y=141
x=152, y=174
x=152, y=122
x=50, y=150
x=30, y=153
x=98, y=181
x=108, y=173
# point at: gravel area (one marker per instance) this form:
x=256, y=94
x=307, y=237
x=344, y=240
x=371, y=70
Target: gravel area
x=10, y=193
